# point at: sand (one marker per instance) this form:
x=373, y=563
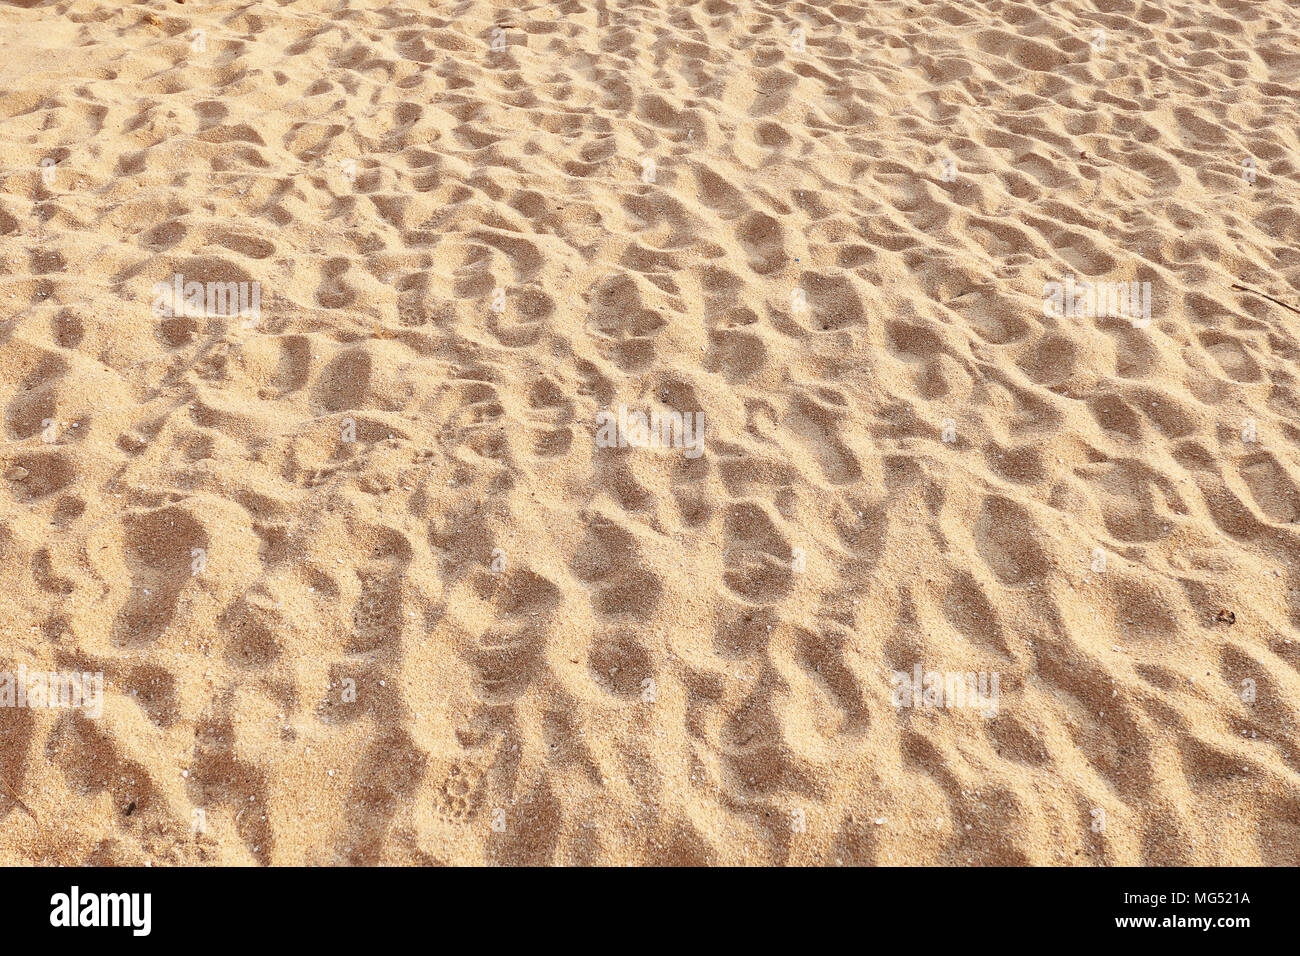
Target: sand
x=362, y=581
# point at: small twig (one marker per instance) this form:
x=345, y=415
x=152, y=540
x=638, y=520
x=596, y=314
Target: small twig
x=1246, y=288
x=14, y=797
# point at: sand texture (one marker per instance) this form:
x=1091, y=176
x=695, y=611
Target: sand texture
x=365, y=586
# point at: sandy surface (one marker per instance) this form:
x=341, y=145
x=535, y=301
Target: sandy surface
x=363, y=584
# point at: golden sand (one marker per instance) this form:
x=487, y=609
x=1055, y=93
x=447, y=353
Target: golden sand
x=364, y=587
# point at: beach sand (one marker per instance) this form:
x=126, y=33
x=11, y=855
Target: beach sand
x=365, y=585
